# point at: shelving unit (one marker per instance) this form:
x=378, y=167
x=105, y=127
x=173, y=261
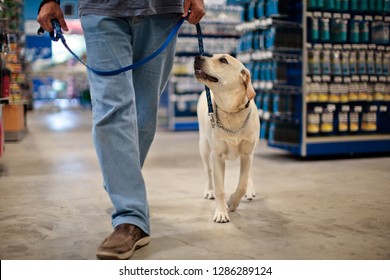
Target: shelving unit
x=219, y=36
x=323, y=81
x=15, y=83
x=3, y=96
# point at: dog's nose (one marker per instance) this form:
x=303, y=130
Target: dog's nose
x=198, y=58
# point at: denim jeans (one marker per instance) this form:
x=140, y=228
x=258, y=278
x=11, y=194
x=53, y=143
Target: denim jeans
x=125, y=105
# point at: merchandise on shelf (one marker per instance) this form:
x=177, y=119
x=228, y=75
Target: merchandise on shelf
x=321, y=72
x=2, y=140
x=14, y=82
x=12, y=42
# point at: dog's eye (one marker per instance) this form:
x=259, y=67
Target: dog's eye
x=223, y=60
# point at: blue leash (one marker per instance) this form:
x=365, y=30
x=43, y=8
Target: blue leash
x=208, y=95
x=57, y=35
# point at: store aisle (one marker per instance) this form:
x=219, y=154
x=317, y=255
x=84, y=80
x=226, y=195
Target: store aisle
x=52, y=205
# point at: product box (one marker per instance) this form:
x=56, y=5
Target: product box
x=13, y=122
x=1, y=132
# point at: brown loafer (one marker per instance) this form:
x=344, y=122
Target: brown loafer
x=122, y=243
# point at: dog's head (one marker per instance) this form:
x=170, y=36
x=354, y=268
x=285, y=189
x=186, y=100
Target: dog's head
x=223, y=73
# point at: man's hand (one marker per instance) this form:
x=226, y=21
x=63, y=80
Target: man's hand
x=197, y=10
x=49, y=11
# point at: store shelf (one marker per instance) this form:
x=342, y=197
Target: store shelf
x=349, y=138
x=14, y=80
x=347, y=146
x=330, y=92
x=185, y=124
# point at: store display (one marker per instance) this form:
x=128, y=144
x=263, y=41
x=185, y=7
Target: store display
x=331, y=60
x=4, y=75
x=14, y=82
x=12, y=42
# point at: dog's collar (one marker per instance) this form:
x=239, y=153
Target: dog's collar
x=235, y=112
x=219, y=124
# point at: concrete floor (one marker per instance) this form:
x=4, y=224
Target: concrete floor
x=53, y=206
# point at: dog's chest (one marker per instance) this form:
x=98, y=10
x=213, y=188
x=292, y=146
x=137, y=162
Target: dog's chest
x=230, y=148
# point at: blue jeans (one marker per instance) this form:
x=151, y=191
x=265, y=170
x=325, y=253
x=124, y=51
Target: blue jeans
x=125, y=106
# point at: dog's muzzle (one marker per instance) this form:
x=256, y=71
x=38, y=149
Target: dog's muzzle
x=200, y=73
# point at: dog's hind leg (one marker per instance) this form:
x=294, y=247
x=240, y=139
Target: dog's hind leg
x=205, y=153
x=244, y=181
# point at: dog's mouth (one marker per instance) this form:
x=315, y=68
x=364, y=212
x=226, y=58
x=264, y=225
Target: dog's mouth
x=200, y=74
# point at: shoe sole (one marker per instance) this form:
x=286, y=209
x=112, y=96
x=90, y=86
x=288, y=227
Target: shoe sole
x=104, y=255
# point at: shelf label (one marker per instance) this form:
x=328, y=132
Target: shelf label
x=373, y=108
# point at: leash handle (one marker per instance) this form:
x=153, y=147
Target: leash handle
x=208, y=95
x=56, y=34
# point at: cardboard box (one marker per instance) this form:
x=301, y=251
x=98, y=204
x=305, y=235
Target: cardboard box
x=13, y=121
x=1, y=132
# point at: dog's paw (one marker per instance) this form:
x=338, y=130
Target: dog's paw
x=234, y=201
x=233, y=205
x=250, y=194
x=209, y=194
x=221, y=216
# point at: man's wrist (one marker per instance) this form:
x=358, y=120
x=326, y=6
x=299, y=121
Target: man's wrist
x=47, y=1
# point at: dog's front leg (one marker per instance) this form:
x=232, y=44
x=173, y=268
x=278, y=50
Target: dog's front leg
x=221, y=212
x=205, y=152
x=245, y=179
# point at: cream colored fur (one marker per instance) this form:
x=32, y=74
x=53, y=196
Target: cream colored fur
x=231, y=90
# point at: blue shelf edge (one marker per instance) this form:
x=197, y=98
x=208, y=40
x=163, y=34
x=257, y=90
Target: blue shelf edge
x=335, y=148
x=348, y=147
x=188, y=126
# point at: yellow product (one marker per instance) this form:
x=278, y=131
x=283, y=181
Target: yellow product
x=327, y=122
x=343, y=121
x=362, y=96
x=323, y=97
x=344, y=98
x=334, y=97
x=313, y=123
x=354, y=122
x=343, y=127
x=353, y=127
x=312, y=97
x=379, y=92
x=353, y=96
x=313, y=128
x=379, y=96
x=326, y=127
x=353, y=91
x=369, y=121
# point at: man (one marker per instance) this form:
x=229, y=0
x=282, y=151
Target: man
x=117, y=34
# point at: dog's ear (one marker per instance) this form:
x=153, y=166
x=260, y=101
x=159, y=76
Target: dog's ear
x=246, y=78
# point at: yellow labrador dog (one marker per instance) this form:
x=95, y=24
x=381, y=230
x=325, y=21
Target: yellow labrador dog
x=236, y=132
